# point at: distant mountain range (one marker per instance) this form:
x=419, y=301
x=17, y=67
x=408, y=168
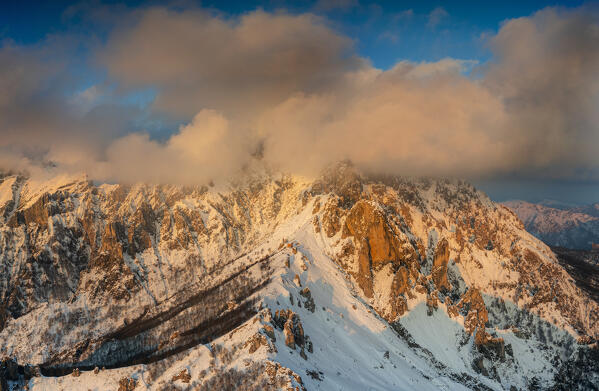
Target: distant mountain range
x=575, y=227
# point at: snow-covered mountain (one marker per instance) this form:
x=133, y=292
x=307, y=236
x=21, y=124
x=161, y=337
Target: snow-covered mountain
x=570, y=227
x=347, y=282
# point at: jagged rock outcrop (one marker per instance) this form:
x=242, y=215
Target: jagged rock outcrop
x=377, y=244
x=475, y=323
x=368, y=227
x=290, y=323
x=309, y=302
x=473, y=305
x=331, y=217
x=255, y=342
x=280, y=375
x=184, y=376
x=127, y=384
x=342, y=180
x=440, y=260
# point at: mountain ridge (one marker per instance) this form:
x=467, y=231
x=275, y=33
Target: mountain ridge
x=170, y=273
x=574, y=227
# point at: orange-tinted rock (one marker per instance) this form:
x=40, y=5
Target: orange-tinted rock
x=289, y=337
x=255, y=342
x=432, y=303
x=281, y=377
x=481, y=336
x=184, y=376
x=292, y=327
x=112, y=241
x=316, y=208
x=477, y=315
x=399, y=287
x=452, y=311
x=270, y=332
x=316, y=224
x=127, y=384
x=420, y=289
x=365, y=221
x=364, y=275
x=138, y=240
x=440, y=260
x=331, y=218
x=38, y=212
x=376, y=244
x=399, y=306
x=400, y=284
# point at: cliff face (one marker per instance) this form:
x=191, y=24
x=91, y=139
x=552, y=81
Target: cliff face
x=117, y=276
x=444, y=238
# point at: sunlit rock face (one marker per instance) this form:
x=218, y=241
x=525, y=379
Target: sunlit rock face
x=440, y=260
x=302, y=277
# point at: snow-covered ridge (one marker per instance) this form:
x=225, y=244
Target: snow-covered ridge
x=347, y=282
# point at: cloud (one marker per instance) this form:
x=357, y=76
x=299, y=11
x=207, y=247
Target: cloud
x=238, y=65
x=436, y=16
x=203, y=150
x=26, y=74
x=407, y=120
x=403, y=15
x=296, y=87
x=546, y=69
x=42, y=120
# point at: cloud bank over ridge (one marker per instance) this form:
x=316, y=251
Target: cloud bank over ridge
x=295, y=86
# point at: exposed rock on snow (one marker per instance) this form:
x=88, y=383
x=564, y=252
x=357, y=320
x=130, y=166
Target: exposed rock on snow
x=439, y=272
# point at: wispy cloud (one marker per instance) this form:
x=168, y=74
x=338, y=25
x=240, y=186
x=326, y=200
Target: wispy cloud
x=390, y=36
x=436, y=16
x=403, y=15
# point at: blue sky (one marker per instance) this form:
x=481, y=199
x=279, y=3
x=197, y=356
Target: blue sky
x=384, y=32
x=67, y=40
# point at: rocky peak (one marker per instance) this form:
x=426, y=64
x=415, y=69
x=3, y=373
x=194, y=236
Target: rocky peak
x=342, y=179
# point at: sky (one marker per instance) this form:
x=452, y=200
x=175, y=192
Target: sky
x=504, y=94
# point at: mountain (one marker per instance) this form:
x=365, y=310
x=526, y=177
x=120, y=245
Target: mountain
x=583, y=266
x=591, y=210
x=272, y=281
x=572, y=227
